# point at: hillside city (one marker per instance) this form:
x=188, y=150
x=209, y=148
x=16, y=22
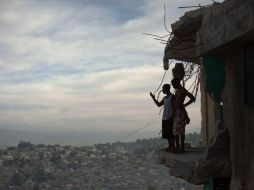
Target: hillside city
x=132, y=165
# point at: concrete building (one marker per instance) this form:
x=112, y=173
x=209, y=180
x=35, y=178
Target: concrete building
x=220, y=38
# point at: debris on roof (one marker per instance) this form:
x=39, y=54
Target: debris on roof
x=183, y=45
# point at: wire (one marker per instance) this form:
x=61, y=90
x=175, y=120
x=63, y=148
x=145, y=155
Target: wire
x=163, y=77
x=148, y=34
x=147, y=125
x=195, y=6
x=158, y=96
x=165, y=19
x=134, y=132
x=195, y=83
x=161, y=82
x=197, y=87
x=161, y=110
x=160, y=39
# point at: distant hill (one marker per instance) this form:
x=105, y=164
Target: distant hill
x=11, y=137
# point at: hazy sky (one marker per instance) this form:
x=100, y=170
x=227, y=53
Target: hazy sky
x=83, y=64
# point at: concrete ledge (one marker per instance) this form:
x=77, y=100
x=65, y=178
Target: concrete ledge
x=192, y=166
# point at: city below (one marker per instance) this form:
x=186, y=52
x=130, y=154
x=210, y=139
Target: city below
x=119, y=165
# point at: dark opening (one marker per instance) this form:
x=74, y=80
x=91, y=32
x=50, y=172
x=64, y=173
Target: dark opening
x=218, y=183
x=249, y=75
x=221, y=183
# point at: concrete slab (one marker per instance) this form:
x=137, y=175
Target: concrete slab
x=224, y=23
x=193, y=167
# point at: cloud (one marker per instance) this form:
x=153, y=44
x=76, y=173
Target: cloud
x=115, y=98
x=82, y=63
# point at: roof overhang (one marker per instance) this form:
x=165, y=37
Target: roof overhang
x=182, y=45
x=225, y=27
x=211, y=30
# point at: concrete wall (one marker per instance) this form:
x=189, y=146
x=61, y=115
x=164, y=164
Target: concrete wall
x=239, y=119
x=210, y=113
x=226, y=28
x=225, y=22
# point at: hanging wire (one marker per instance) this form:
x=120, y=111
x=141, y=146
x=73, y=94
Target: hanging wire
x=165, y=26
x=195, y=6
x=189, y=76
x=157, y=36
x=134, y=132
x=197, y=87
x=191, y=70
x=161, y=109
x=147, y=125
x=161, y=82
x=195, y=82
x=163, y=77
x=160, y=40
x=158, y=96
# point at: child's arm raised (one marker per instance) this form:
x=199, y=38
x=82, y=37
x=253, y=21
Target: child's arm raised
x=159, y=104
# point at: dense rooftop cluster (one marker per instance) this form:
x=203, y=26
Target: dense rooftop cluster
x=102, y=166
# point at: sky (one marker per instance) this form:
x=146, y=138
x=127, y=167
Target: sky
x=84, y=64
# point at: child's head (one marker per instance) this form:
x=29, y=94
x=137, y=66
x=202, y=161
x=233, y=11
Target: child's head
x=166, y=88
x=175, y=83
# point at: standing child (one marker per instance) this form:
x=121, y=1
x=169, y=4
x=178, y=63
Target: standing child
x=167, y=117
x=180, y=115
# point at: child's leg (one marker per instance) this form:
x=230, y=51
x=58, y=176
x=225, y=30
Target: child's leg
x=169, y=143
x=171, y=135
x=177, y=141
x=182, y=142
x=173, y=142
